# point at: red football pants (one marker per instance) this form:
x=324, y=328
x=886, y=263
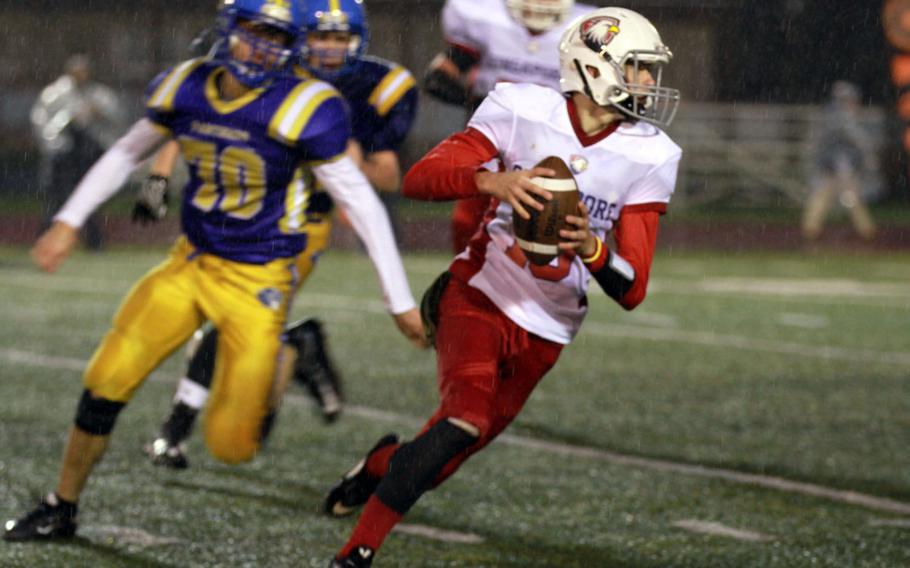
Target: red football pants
x=487, y=366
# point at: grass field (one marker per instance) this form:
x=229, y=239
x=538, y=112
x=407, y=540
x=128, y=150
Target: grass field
x=754, y=411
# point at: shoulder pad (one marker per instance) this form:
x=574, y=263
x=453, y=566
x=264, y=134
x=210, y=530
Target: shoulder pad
x=298, y=107
x=393, y=86
x=162, y=96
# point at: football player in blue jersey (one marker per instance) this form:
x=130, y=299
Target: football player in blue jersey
x=382, y=97
x=255, y=139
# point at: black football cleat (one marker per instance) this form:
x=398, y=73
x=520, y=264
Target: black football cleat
x=50, y=520
x=356, y=486
x=360, y=557
x=314, y=369
x=163, y=453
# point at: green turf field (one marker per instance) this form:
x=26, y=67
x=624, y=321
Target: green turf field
x=785, y=377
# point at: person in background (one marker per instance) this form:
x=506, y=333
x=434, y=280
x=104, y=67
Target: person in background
x=74, y=120
x=488, y=41
x=843, y=153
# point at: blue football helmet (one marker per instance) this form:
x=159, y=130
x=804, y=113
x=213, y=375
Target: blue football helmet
x=334, y=16
x=283, y=15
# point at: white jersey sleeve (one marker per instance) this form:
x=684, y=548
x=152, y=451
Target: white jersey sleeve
x=658, y=185
x=107, y=175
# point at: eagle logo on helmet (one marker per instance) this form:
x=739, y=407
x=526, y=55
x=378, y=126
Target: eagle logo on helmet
x=598, y=32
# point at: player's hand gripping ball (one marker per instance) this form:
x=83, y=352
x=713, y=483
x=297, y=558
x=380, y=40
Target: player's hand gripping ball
x=538, y=236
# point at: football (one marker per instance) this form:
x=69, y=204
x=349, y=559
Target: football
x=538, y=236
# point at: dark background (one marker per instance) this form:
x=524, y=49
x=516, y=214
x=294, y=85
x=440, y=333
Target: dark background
x=780, y=52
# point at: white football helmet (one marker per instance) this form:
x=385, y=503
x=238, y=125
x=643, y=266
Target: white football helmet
x=540, y=15
x=597, y=48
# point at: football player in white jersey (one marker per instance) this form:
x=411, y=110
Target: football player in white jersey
x=605, y=121
x=514, y=41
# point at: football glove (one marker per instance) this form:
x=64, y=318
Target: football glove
x=151, y=201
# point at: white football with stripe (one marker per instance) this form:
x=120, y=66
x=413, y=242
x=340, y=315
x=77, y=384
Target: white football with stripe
x=538, y=236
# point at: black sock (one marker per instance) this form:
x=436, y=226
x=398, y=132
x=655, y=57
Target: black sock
x=267, y=423
x=202, y=365
x=179, y=423
x=68, y=507
x=416, y=464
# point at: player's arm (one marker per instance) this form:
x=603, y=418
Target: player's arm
x=453, y=170
x=397, y=109
x=324, y=140
x=100, y=182
x=382, y=169
x=152, y=199
x=352, y=192
x=623, y=273
x=446, y=76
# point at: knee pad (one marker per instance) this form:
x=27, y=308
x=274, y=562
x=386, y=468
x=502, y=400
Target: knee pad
x=416, y=464
x=97, y=416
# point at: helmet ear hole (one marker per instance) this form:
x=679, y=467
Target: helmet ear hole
x=594, y=72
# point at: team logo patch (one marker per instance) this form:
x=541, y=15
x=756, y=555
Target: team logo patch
x=270, y=298
x=598, y=32
x=578, y=163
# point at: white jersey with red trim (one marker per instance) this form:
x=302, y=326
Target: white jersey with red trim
x=634, y=165
x=506, y=50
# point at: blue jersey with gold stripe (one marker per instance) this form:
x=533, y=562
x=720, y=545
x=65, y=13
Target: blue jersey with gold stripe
x=383, y=101
x=249, y=158
x=382, y=98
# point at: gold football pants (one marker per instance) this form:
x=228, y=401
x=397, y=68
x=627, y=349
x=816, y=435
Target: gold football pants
x=248, y=304
x=318, y=233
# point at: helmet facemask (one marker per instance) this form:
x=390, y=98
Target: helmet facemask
x=649, y=102
x=271, y=53
x=539, y=15
x=267, y=58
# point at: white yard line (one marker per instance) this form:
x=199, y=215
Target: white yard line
x=663, y=331
x=766, y=481
x=899, y=523
x=803, y=321
x=29, y=358
x=438, y=534
x=126, y=535
x=717, y=529
x=708, y=339
x=758, y=480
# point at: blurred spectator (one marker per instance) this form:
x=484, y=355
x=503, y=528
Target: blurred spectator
x=843, y=154
x=75, y=119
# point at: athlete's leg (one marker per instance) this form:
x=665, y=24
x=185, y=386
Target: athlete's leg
x=851, y=198
x=485, y=378
x=157, y=315
x=818, y=204
x=193, y=389
x=248, y=305
x=168, y=448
